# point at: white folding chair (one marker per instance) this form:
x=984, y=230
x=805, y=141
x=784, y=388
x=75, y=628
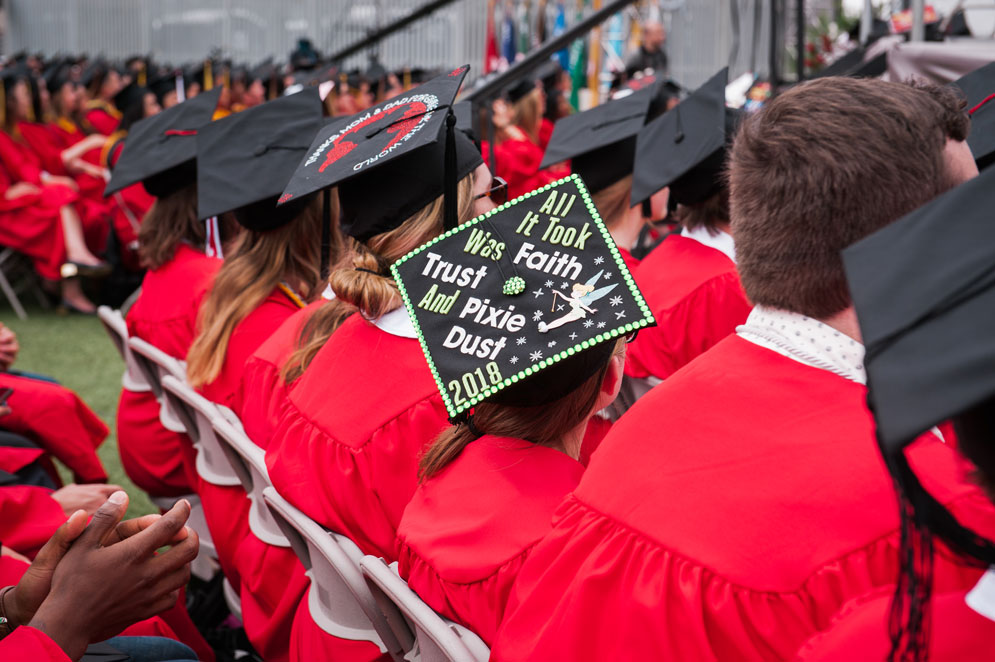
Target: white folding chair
x=436, y=639
x=339, y=601
x=115, y=326
x=155, y=364
x=198, y=414
x=16, y=276
x=205, y=565
x=249, y=463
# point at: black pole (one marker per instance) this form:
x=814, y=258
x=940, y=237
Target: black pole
x=533, y=60
x=774, y=74
x=800, y=37
x=391, y=28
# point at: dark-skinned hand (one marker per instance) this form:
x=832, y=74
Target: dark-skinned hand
x=111, y=577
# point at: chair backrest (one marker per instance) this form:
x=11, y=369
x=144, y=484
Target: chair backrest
x=249, y=462
x=117, y=329
x=339, y=601
x=437, y=639
x=155, y=364
x=198, y=415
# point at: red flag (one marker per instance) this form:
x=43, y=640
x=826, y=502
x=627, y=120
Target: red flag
x=492, y=59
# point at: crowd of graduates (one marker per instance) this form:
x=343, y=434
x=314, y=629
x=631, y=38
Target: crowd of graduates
x=662, y=379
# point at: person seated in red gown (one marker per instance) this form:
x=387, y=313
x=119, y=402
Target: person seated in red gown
x=489, y=484
x=273, y=270
x=690, y=280
x=102, y=83
x=734, y=509
x=181, y=255
x=92, y=582
x=39, y=218
x=929, y=343
x=352, y=465
x=517, y=149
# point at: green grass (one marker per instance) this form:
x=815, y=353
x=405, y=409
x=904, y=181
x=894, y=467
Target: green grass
x=76, y=350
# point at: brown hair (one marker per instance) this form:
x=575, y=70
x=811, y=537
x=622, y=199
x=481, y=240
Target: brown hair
x=613, y=202
x=824, y=165
x=261, y=260
x=543, y=425
x=526, y=115
x=375, y=294
x=709, y=213
x=172, y=219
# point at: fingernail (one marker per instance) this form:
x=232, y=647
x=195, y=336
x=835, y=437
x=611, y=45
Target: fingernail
x=186, y=502
x=120, y=498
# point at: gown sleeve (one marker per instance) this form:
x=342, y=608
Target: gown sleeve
x=30, y=517
x=27, y=643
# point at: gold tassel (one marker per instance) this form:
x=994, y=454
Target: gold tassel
x=208, y=76
x=3, y=105
x=226, y=77
x=142, y=76
x=407, y=78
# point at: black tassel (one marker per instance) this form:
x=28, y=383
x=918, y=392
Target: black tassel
x=450, y=219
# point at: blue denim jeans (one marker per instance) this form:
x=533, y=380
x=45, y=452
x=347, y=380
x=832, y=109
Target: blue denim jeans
x=153, y=649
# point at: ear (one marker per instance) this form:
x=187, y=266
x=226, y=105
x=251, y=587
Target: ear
x=612, y=382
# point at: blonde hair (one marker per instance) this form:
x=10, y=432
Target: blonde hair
x=526, y=115
x=613, y=202
x=373, y=294
x=543, y=425
x=261, y=260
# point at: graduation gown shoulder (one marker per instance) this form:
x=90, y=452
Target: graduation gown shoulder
x=353, y=466
x=467, y=531
x=694, y=293
x=729, y=514
x=30, y=517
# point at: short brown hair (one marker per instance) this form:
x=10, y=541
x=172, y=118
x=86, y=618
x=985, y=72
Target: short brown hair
x=824, y=165
x=711, y=213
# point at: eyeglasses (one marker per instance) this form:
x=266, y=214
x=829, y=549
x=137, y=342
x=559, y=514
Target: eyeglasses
x=498, y=192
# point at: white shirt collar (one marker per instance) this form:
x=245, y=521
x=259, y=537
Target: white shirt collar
x=397, y=323
x=328, y=294
x=721, y=242
x=805, y=340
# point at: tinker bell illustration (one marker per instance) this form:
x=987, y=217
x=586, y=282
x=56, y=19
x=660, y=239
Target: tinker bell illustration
x=580, y=298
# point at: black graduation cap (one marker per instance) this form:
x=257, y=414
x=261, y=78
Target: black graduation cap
x=164, y=83
x=160, y=150
x=58, y=74
x=924, y=291
x=601, y=141
x=245, y=160
x=389, y=161
x=979, y=89
x=519, y=305
x=685, y=148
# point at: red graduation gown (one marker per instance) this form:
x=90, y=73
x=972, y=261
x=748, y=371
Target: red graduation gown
x=27, y=643
x=727, y=516
x=468, y=530
x=352, y=466
x=32, y=223
x=273, y=580
x=517, y=162
x=102, y=116
x=165, y=315
x=695, y=295
x=226, y=508
x=30, y=517
x=57, y=420
x=128, y=206
x=859, y=633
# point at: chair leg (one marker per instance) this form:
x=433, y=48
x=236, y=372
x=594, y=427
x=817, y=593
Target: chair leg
x=11, y=295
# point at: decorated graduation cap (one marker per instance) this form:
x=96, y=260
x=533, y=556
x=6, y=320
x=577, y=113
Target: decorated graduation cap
x=930, y=339
x=245, y=160
x=160, y=150
x=979, y=88
x=685, y=148
x=391, y=160
x=520, y=305
x=601, y=141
